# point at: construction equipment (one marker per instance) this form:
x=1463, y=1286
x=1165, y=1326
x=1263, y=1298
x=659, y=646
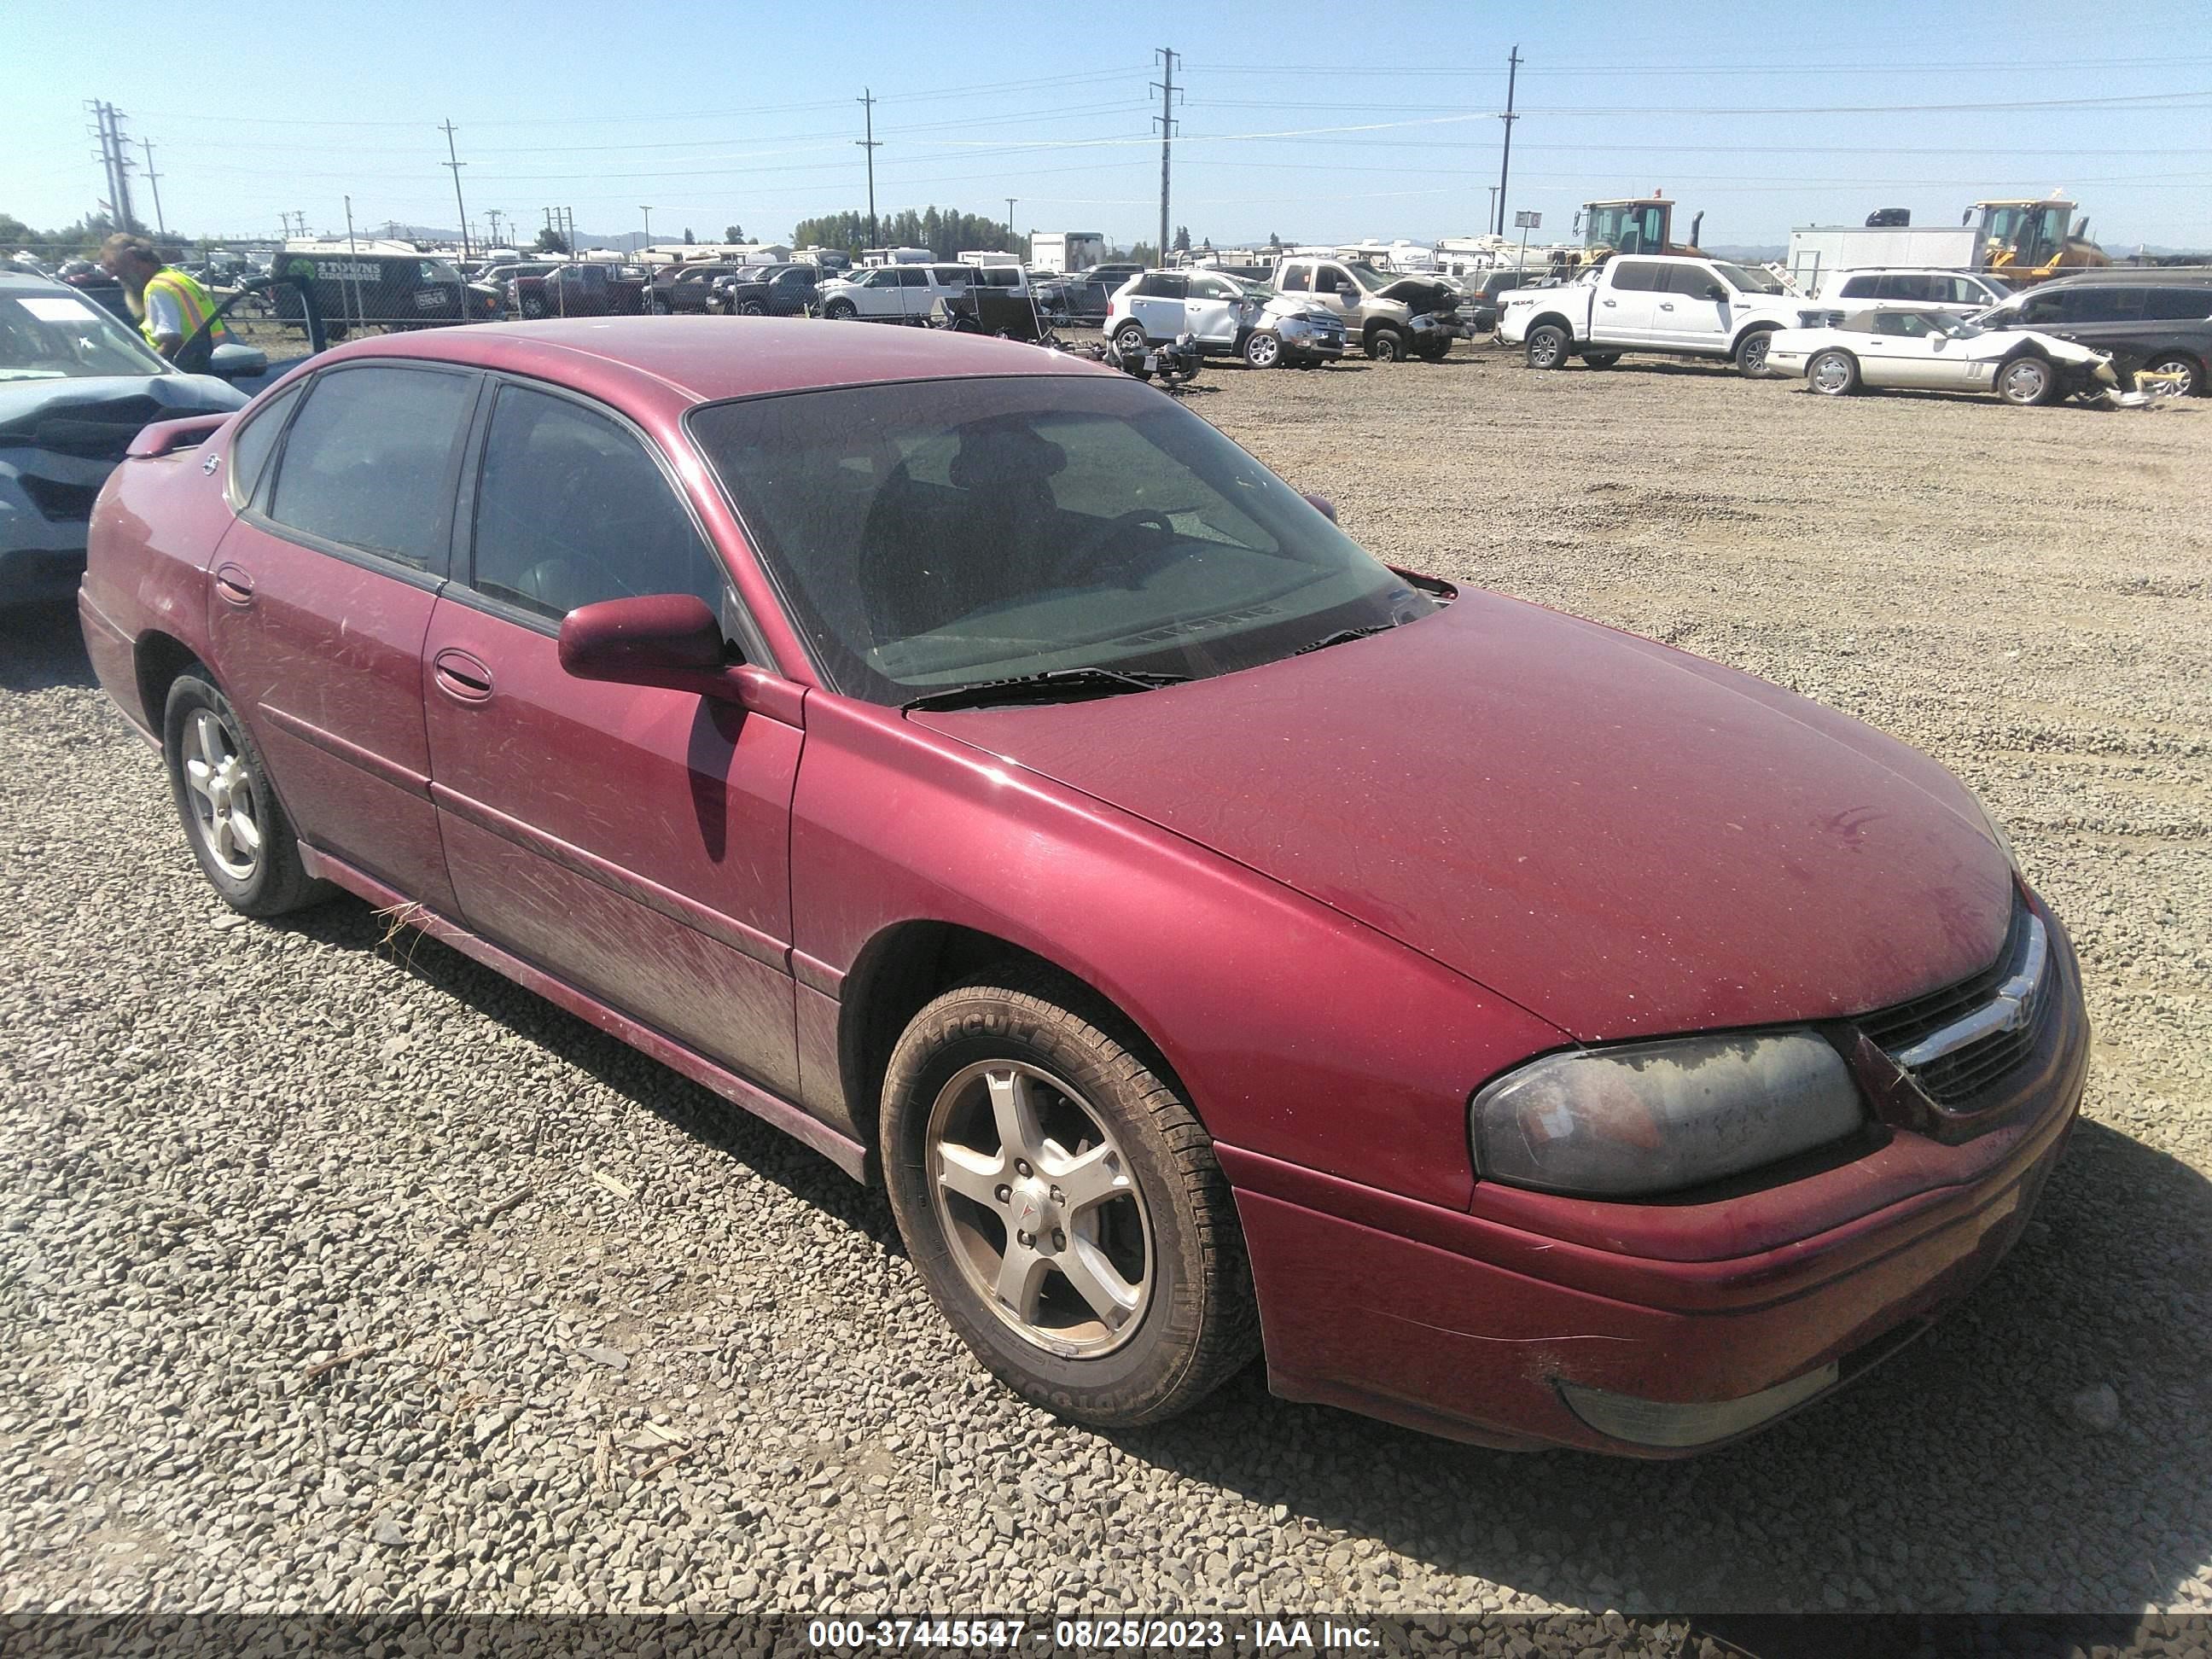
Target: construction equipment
x=1636, y=225
x=2032, y=241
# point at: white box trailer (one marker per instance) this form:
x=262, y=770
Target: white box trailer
x=1817, y=251
x=1064, y=250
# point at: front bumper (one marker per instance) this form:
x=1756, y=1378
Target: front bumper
x=1667, y=1321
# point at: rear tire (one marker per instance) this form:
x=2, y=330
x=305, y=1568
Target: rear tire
x=1129, y=340
x=2175, y=362
x=2027, y=382
x=1118, y=1311
x=1833, y=373
x=752, y=308
x=233, y=821
x=1751, y=352
x=1547, y=346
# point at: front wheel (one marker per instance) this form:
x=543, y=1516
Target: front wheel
x=1434, y=351
x=1751, y=352
x=231, y=818
x=1599, y=359
x=2027, y=382
x=1062, y=1203
x=752, y=308
x=841, y=311
x=1833, y=373
x=1547, y=346
x=1386, y=345
x=1262, y=350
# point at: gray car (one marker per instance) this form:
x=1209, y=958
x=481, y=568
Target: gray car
x=2149, y=319
x=77, y=385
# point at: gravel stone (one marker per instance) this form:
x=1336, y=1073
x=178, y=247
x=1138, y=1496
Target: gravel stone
x=278, y=1338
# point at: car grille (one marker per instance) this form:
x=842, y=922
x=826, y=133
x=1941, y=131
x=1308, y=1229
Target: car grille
x=1956, y=1042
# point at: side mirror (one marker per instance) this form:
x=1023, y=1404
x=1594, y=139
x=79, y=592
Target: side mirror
x=1323, y=505
x=669, y=639
x=233, y=362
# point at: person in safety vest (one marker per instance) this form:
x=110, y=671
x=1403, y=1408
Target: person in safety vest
x=170, y=306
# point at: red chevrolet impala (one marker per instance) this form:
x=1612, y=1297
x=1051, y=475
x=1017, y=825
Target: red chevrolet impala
x=1215, y=940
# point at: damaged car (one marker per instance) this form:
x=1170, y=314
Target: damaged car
x=1939, y=351
x=1391, y=317
x=76, y=386
x=1226, y=318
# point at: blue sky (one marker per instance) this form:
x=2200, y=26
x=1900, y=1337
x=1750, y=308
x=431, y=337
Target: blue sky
x=1320, y=121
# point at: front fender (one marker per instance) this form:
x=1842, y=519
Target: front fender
x=1300, y=1034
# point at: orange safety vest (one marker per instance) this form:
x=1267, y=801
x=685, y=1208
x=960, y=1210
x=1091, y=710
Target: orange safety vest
x=193, y=302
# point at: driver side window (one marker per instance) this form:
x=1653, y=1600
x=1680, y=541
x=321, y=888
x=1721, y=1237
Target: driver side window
x=570, y=510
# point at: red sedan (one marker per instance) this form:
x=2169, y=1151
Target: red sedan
x=971, y=761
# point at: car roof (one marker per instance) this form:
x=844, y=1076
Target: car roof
x=2170, y=276
x=691, y=359
x=18, y=279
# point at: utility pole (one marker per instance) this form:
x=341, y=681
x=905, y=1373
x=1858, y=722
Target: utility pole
x=153, y=179
x=493, y=213
x=647, y=248
x=1492, y=219
x=454, y=161
x=870, y=143
x=1011, y=200
x=1166, y=118
x=115, y=157
x=1505, y=161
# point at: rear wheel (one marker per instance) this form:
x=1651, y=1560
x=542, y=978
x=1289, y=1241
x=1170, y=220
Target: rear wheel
x=2187, y=375
x=1547, y=346
x=1263, y=351
x=1386, y=345
x=1062, y=1203
x=1751, y=352
x=2027, y=381
x=1833, y=373
x=231, y=818
x=1129, y=341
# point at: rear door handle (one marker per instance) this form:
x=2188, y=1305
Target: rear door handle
x=461, y=676
x=236, y=583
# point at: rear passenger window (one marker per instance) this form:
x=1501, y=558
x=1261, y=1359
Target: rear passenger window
x=1294, y=280
x=367, y=460
x=571, y=510
x=2178, y=305
x=249, y=451
x=1860, y=288
x=1637, y=275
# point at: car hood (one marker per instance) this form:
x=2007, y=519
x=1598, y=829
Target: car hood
x=1421, y=294
x=1622, y=838
x=98, y=415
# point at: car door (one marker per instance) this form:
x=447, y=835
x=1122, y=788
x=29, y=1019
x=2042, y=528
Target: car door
x=630, y=840
x=1685, y=315
x=1159, y=304
x=1333, y=287
x=322, y=594
x=791, y=293
x=1626, y=300
x=1210, y=309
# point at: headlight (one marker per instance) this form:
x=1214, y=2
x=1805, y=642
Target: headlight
x=1645, y=1118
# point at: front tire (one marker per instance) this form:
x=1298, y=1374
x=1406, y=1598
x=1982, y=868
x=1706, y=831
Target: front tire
x=841, y=311
x=1833, y=373
x=1599, y=359
x=2027, y=382
x=752, y=308
x=1062, y=1203
x=1547, y=346
x=1386, y=345
x=233, y=820
x=1751, y=352
x=1262, y=350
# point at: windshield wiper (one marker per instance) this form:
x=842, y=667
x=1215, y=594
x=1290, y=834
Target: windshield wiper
x=1344, y=636
x=1051, y=686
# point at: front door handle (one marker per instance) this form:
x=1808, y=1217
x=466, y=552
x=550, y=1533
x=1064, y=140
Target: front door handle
x=1613, y=302
x=236, y=583
x=461, y=676
x=1666, y=305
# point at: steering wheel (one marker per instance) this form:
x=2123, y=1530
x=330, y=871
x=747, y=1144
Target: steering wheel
x=1086, y=560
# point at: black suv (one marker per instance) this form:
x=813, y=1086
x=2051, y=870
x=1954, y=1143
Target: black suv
x=767, y=291
x=1486, y=294
x=2147, y=318
x=684, y=291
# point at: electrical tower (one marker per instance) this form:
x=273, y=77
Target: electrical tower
x=154, y=183
x=871, y=143
x=1505, y=161
x=454, y=161
x=115, y=158
x=1166, y=87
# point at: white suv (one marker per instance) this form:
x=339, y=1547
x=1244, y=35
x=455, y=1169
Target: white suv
x=896, y=293
x=1919, y=287
x=1227, y=318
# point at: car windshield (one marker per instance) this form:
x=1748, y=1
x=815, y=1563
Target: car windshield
x=1368, y=277
x=940, y=533
x=60, y=337
x=1950, y=323
x=1747, y=281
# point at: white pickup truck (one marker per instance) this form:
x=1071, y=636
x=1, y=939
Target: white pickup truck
x=1673, y=306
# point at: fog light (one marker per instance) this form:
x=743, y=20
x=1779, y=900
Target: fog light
x=1666, y=1423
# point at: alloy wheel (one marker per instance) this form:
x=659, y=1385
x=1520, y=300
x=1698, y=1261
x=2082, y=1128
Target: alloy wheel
x=226, y=812
x=1040, y=1208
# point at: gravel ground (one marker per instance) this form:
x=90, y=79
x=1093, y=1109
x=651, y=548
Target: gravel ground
x=340, y=1273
